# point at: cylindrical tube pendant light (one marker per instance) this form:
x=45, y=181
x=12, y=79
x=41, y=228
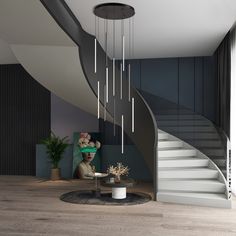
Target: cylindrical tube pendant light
x=107, y=87
x=95, y=55
x=132, y=116
x=123, y=52
x=129, y=82
x=121, y=82
x=115, y=11
x=114, y=76
x=98, y=102
x=122, y=134
x=114, y=117
x=105, y=105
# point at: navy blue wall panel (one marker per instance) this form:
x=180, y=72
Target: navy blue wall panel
x=186, y=82
x=198, y=84
x=189, y=82
x=135, y=73
x=160, y=77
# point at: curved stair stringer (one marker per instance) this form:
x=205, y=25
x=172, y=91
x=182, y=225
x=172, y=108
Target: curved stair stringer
x=187, y=176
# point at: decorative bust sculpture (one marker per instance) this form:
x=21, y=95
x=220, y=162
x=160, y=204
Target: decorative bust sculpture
x=88, y=149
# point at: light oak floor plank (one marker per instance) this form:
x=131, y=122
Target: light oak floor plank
x=31, y=207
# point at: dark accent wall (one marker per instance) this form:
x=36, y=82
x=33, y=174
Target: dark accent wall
x=111, y=154
x=24, y=120
x=106, y=130
x=189, y=81
x=222, y=58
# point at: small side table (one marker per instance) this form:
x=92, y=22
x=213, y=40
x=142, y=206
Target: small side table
x=96, y=176
x=119, y=189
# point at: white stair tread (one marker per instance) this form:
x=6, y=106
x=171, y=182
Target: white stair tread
x=191, y=185
x=169, y=144
x=177, y=149
x=194, y=181
x=219, y=196
x=162, y=136
x=183, y=162
x=174, y=148
x=191, y=158
x=186, y=169
x=198, y=199
x=187, y=173
x=176, y=152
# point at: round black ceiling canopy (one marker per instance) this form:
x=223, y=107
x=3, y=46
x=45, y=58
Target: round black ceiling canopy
x=114, y=11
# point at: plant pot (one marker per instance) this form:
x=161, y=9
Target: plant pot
x=55, y=173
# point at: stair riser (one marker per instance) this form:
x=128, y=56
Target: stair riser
x=190, y=186
x=167, y=123
x=170, y=144
x=206, y=144
x=196, y=135
x=189, y=129
x=220, y=163
x=162, y=136
x=187, y=174
x=180, y=117
x=176, y=153
x=194, y=201
x=183, y=163
x=214, y=152
x=174, y=111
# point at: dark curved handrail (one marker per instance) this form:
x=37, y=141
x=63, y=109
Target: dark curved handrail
x=145, y=135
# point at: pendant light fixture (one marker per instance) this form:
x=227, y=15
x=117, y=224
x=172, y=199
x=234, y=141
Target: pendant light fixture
x=115, y=14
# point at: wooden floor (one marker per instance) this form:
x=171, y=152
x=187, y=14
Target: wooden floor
x=29, y=206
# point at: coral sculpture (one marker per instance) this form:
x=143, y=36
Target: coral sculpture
x=118, y=171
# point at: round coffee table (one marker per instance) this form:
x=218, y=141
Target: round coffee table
x=119, y=189
x=96, y=176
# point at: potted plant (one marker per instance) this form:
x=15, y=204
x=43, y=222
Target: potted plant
x=55, y=148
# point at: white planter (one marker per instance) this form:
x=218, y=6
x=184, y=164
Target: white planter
x=119, y=193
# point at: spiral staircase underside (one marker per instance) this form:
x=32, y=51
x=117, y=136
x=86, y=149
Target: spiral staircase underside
x=46, y=52
x=185, y=175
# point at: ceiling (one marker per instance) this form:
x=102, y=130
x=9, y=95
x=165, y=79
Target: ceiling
x=27, y=25
x=166, y=28
x=28, y=22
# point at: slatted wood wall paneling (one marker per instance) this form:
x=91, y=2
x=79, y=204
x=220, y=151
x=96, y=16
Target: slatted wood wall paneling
x=24, y=119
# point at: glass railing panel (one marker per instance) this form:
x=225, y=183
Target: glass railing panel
x=191, y=127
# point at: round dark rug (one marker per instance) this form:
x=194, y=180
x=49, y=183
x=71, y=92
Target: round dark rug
x=88, y=197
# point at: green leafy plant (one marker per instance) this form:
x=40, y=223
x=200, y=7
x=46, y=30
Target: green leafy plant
x=55, y=148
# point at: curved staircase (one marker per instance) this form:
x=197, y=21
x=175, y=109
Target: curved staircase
x=187, y=176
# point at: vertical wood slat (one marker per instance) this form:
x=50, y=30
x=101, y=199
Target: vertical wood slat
x=24, y=119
